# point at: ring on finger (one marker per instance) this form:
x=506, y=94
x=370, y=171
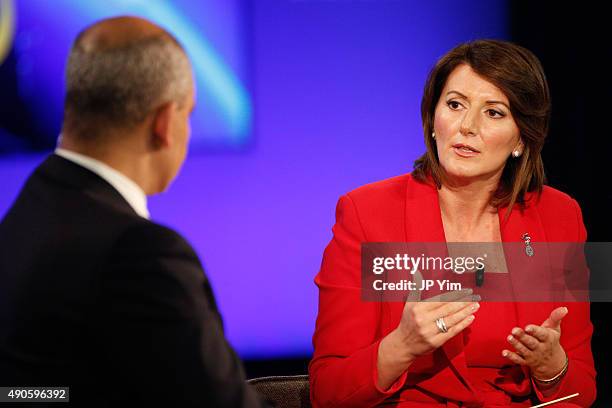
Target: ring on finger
x=441, y=325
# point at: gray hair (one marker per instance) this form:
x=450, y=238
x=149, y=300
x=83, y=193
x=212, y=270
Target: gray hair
x=120, y=86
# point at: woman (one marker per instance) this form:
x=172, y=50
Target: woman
x=485, y=112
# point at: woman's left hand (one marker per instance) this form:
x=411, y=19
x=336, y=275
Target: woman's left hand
x=538, y=347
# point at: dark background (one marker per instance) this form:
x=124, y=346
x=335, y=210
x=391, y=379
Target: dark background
x=574, y=48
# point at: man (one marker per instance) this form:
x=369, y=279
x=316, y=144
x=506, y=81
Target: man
x=93, y=295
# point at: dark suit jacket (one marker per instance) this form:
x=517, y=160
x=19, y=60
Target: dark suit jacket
x=94, y=297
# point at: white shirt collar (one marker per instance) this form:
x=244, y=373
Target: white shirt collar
x=129, y=190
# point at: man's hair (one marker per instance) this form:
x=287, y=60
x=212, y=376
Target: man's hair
x=118, y=87
x=518, y=73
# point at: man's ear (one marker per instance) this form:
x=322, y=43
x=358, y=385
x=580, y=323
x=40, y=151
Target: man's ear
x=162, y=118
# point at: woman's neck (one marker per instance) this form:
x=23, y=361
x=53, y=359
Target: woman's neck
x=466, y=203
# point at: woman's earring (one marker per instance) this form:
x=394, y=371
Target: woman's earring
x=516, y=153
x=433, y=134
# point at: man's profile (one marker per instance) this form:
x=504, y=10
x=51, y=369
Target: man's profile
x=94, y=295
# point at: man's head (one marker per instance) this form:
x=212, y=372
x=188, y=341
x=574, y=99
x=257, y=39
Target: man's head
x=129, y=93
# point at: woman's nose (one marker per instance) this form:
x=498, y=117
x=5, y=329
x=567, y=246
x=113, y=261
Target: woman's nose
x=468, y=123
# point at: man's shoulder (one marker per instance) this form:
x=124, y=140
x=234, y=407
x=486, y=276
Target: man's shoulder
x=147, y=251
x=142, y=239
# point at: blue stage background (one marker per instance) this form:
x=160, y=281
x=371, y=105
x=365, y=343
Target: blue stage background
x=334, y=88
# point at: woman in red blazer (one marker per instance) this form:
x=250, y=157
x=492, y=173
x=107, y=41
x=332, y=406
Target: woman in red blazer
x=485, y=114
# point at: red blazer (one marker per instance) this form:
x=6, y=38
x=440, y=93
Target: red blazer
x=348, y=331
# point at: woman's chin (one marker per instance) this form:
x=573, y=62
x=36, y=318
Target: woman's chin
x=464, y=173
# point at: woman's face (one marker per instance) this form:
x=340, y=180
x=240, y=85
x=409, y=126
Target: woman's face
x=475, y=131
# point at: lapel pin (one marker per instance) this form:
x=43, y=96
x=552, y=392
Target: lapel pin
x=528, y=247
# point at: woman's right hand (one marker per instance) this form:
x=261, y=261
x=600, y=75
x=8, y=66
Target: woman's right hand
x=418, y=330
x=418, y=334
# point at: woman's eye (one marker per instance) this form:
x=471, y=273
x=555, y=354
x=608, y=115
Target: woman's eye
x=453, y=104
x=495, y=114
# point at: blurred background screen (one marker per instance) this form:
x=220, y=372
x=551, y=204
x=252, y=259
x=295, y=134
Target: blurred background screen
x=36, y=35
x=299, y=102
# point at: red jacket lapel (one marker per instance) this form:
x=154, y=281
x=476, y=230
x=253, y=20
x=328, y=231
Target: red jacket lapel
x=424, y=224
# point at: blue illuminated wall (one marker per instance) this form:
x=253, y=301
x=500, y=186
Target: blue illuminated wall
x=212, y=31
x=337, y=88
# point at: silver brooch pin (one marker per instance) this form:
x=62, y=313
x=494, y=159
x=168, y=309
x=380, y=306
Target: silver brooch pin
x=528, y=247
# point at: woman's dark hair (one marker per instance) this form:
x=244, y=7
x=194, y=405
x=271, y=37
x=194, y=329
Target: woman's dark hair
x=519, y=75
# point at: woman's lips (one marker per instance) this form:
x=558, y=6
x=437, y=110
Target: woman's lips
x=465, y=152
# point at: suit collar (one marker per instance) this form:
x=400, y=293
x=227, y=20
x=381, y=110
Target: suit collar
x=128, y=189
x=67, y=173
